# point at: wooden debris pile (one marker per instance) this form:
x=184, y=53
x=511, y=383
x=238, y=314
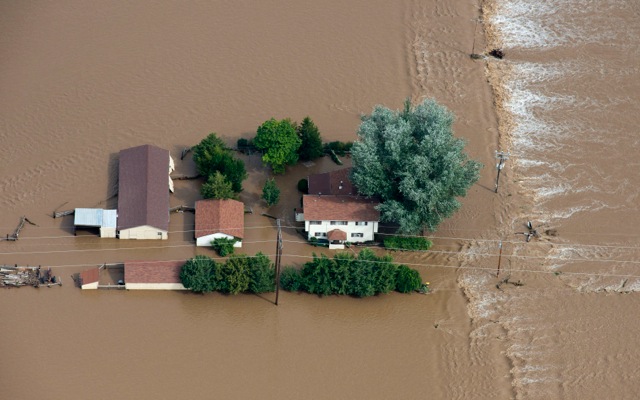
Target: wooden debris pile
x=16, y=276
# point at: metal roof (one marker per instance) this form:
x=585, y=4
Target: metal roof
x=109, y=218
x=87, y=217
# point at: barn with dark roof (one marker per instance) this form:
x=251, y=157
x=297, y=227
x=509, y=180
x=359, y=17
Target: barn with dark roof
x=143, y=193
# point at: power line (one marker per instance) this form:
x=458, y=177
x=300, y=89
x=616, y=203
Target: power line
x=475, y=268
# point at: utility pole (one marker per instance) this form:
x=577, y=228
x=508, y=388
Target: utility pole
x=502, y=157
x=278, y=259
x=499, y=258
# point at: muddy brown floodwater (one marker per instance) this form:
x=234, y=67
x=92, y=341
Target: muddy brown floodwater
x=82, y=80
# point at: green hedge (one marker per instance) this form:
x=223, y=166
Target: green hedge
x=407, y=243
x=363, y=275
x=238, y=274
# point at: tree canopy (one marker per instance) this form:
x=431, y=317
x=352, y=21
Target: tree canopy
x=240, y=273
x=217, y=187
x=311, y=147
x=211, y=155
x=279, y=143
x=411, y=161
x=271, y=192
x=363, y=275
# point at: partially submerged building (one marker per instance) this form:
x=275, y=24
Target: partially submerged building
x=143, y=193
x=219, y=219
x=153, y=275
x=332, y=183
x=104, y=221
x=340, y=219
x=134, y=275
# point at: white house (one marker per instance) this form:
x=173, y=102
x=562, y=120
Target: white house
x=340, y=219
x=153, y=275
x=143, y=193
x=219, y=219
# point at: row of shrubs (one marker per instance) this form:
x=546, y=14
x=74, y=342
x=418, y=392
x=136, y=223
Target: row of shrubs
x=240, y=273
x=340, y=148
x=346, y=274
x=407, y=243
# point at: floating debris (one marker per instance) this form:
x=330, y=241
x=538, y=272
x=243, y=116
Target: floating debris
x=14, y=236
x=16, y=276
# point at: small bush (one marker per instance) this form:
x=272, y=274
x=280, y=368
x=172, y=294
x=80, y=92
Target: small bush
x=303, y=186
x=407, y=243
x=407, y=279
x=223, y=246
x=290, y=279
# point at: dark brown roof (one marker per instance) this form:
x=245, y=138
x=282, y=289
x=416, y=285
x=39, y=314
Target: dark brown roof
x=339, y=208
x=337, y=234
x=143, y=187
x=152, y=271
x=89, y=276
x=332, y=183
x=219, y=216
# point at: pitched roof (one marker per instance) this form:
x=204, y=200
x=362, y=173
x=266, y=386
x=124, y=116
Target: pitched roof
x=332, y=183
x=152, y=271
x=89, y=276
x=339, y=208
x=219, y=216
x=337, y=234
x=143, y=191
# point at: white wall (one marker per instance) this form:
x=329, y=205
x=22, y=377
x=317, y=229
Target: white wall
x=92, y=285
x=154, y=286
x=143, y=232
x=351, y=227
x=108, y=232
x=206, y=240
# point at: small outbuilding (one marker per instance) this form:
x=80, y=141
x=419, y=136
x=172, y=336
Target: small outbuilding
x=153, y=275
x=219, y=219
x=89, y=279
x=98, y=219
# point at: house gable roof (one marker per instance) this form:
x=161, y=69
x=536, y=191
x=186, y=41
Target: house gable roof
x=337, y=234
x=219, y=216
x=332, y=183
x=143, y=191
x=339, y=208
x=152, y=271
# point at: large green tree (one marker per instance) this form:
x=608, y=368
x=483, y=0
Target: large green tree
x=211, y=155
x=200, y=274
x=311, y=147
x=410, y=160
x=217, y=187
x=279, y=143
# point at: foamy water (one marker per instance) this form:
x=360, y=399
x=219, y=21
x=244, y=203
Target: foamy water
x=570, y=85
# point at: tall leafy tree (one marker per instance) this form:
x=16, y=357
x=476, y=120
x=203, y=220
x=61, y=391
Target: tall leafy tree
x=217, y=187
x=235, y=275
x=211, y=155
x=200, y=274
x=311, y=147
x=262, y=273
x=279, y=143
x=411, y=161
x=271, y=192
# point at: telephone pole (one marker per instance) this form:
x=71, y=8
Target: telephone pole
x=499, y=258
x=502, y=157
x=278, y=259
